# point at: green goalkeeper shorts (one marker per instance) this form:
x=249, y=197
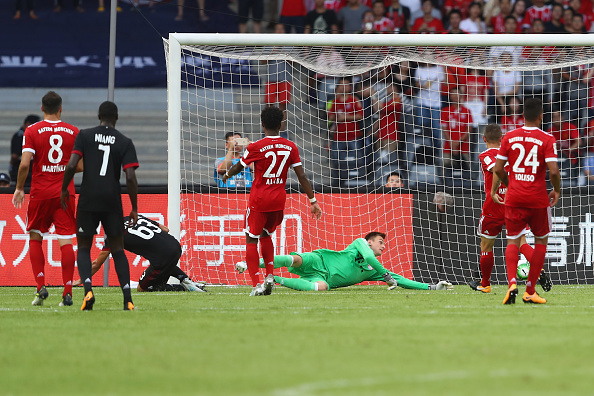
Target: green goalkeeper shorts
x=312, y=269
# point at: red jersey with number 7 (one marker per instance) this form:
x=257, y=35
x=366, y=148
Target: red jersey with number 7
x=51, y=144
x=527, y=150
x=272, y=157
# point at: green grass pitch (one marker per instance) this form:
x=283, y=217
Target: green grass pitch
x=361, y=340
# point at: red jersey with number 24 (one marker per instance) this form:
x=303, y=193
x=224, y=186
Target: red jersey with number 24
x=272, y=157
x=51, y=144
x=490, y=208
x=527, y=149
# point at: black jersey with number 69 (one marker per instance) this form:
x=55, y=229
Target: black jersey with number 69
x=105, y=151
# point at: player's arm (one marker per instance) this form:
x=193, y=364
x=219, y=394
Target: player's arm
x=19, y=192
x=499, y=171
x=234, y=170
x=316, y=211
x=555, y=177
x=228, y=160
x=132, y=185
x=68, y=175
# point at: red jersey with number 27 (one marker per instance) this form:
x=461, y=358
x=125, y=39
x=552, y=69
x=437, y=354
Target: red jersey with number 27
x=272, y=157
x=527, y=149
x=490, y=208
x=51, y=144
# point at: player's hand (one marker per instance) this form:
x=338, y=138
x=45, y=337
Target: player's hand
x=496, y=198
x=18, y=198
x=390, y=281
x=554, y=197
x=64, y=197
x=133, y=219
x=443, y=285
x=77, y=282
x=225, y=178
x=316, y=211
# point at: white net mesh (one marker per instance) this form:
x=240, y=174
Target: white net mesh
x=362, y=116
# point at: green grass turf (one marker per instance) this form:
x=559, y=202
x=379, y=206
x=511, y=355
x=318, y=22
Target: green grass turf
x=361, y=340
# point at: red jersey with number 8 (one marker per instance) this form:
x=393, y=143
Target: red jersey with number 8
x=51, y=144
x=527, y=150
x=272, y=156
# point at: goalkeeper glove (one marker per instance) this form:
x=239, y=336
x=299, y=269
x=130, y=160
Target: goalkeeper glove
x=390, y=281
x=442, y=285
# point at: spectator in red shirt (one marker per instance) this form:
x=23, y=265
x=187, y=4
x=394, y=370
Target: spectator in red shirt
x=345, y=113
x=380, y=22
x=518, y=12
x=386, y=127
x=400, y=15
x=456, y=124
x=427, y=23
x=567, y=136
x=538, y=10
x=496, y=23
x=513, y=117
x=460, y=5
x=292, y=15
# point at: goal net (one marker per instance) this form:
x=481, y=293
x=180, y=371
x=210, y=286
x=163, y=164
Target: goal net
x=389, y=129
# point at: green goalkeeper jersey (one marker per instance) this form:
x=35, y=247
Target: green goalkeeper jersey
x=355, y=264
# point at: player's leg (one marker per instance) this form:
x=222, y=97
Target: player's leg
x=38, y=224
x=273, y=220
x=515, y=227
x=302, y=284
x=487, y=263
x=254, y=225
x=525, y=248
x=285, y=261
x=540, y=224
x=113, y=225
x=86, y=227
x=65, y=223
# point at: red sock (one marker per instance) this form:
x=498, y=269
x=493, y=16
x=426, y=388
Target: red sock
x=267, y=250
x=67, y=267
x=511, y=262
x=37, y=262
x=536, y=264
x=487, y=262
x=252, y=260
x=527, y=251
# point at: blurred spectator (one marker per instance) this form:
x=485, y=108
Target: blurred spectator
x=460, y=5
x=393, y=180
x=427, y=23
x=538, y=10
x=19, y=7
x=428, y=78
x=292, y=15
x=203, y=17
x=243, y=12
x=16, y=148
x=575, y=85
x=537, y=82
x=506, y=82
x=346, y=112
x=386, y=127
x=334, y=5
x=321, y=86
x=456, y=125
x=351, y=16
x=589, y=155
x=568, y=20
x=58, y=4
x=368, y=25
x=321, y=20
x=455, y=18
x=4, y=180
x=234, y=147
x=414, y=15
x=365, y=93
x=413, y=6
x=518, y=12
x=381, y=81
x=555, y=25
x=477, y=94
x=513, y=117
x=401, y=77
x=474, y=23
x=496, y=22
x=577, y=24
x=381, y=23
x=278, y=88
x=495, y=52
x=538, y=27
x=400, y=15
x=567, y=136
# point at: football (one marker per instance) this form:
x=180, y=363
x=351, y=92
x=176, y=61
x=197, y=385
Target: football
x=523, y=269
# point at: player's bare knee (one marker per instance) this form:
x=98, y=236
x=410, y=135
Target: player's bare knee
x=321, y=286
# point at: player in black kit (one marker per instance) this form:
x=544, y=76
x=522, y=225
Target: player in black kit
x=152, y=241
x=104, y=151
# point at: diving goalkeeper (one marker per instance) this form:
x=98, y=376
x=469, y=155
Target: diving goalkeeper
x=325, y=269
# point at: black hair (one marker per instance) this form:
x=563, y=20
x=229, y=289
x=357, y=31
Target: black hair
x=108, y=111
x=31, y=119
x=393, y=174
x=532, y=109
x=374, y=234
x=271, y=118
x=231, y=134
x=51, y=103
x=510, y=17
x=455, y=11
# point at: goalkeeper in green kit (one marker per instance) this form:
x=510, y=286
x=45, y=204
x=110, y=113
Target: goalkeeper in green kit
x=325, y=269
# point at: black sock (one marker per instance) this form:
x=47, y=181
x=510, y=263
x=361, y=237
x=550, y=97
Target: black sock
x=177, y=273
x=123, y=270
x=85, y=268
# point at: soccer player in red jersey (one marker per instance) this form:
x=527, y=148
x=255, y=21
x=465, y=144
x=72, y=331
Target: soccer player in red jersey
x=50, y=141
x=272, y=157
x=529, y=151
x=493, y=214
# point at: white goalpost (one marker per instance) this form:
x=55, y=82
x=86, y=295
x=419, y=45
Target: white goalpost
x=365, y=110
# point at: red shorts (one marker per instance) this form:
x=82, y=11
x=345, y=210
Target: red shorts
x=277, y=92
x=539, y=220
x=41, y=214
x=258, y=222
x=490, y=226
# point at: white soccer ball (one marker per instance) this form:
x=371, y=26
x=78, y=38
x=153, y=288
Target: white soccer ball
x=241, y=266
